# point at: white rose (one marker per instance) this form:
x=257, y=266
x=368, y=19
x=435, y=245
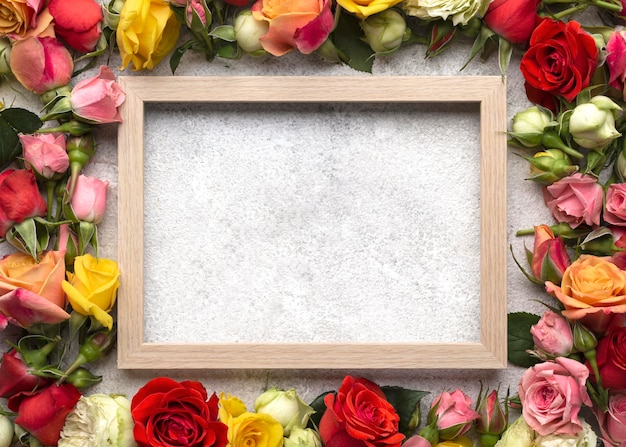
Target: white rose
x=519, y=434
x=6, y=431
x=99, y=420
x=284, y=406
x=303, y=438
x=459, y=11
x=586, y=438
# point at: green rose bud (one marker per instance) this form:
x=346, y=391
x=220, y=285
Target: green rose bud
x=528, y=126
x=303, y=438
x=592, y=124
x=550, y=166
x=284, y=406
x=6, y=431
x=248, y=30
x=385, y=31
x=5, y=50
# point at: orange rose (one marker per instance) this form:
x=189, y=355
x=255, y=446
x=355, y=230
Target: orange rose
x=18, y=15
x=593, y=290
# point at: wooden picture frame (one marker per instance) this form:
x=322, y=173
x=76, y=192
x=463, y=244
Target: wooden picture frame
x=488, y=353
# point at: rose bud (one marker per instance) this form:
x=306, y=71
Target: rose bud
x=5, y=51
x=111, y=13
x=592, y=124
x=80, y=31
x=89, y=200
x=549, y=258
x=441, y=35
x=385, y=31
x=616, y=59
x=248, y=30
x=519, y=434
x=6, y=431
x=303, y=437
x=96, y=100
x=96, y=346
x=552, y=336
x=45, y=154
x=492, y=420
x=79, y=150
x=454, y=414
x=197, y=12
x=550, y=166
x=14, y=375
x=514, y=20
x=41, y=64
x=19, y=198
x=528, y=126
x=284, y=406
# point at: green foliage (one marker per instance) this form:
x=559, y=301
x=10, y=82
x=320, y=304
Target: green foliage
x=406, y=402
x=12, y=122
x=352, y=49
x=520, y=338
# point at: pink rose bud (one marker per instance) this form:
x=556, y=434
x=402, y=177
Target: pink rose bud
x=41, y=64
x=616, y=59
x=552, y=335
x=492, y=421
x=454, y=414
x=45, y=154
x=97, y=99
x=89, y=200
x=549, y=257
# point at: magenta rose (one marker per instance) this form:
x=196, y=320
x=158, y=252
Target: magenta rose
x=552, y=394
x=615, y=208
x=575, y=199
x=552, y=335
x=616, y=59
x=613, y=422
x=611, y=357
x=454, y=414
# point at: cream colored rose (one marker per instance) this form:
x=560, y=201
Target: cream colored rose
x=459, y=11
x=586, y=438
x=519, y=434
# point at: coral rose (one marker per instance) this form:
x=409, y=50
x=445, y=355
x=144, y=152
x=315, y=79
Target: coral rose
x=19, y=198
x=592, y=290
x=575, y=199
x=513, y=20
x=301, y=24
x=80, y=31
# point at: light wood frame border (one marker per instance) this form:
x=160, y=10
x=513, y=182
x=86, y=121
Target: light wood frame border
x=489, y=92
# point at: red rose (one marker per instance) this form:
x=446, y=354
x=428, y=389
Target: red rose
x=19, y=198
x=611, y=356
x=514, y=20
x=170, y=413
x=80, y=31
x=359, y=415
x=42, y=413
x=14, y=375
x=559, y=62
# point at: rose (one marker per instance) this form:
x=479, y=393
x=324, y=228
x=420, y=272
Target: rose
x=6, y=431
x=170, y=413
x=459, y=12
x=592, y=290
x=549, y=258
x=586, y=438
x=45, y=154
x=19, y=198
x=147, y=31
x=92, y=288
x=254, y=429
x=300, y=437
x=592, y=124
x=462, y=441
x=284, y=406
x=514, y=20
x=492, y=420
x=80, y=31
x=366, y=8
x=99, y=420
x=41, y=64
x=552, y=395
x=89, y=199
x=454, y=414
x=528, y=126
x=384, y=32
x=616, y=59
x=18, y=15
x=612, y=422
x=575, y=199
x=248, y=31
x=302, y=24
x=359, y=414
x=15, y=376
x=615, y=208
x=559, y=62
x=42, y=413
x=519, y=434
x=96, y=100
x=611, y=358
x=552, y=335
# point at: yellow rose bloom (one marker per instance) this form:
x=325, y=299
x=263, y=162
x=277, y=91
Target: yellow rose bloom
x=257, y=429
x=230, y=407
x=146, y=32
x=366, y=8
x=92, y=288
x=458, y=442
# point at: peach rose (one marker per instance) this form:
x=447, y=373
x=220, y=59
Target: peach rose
x=593, y=290
x=18, y=15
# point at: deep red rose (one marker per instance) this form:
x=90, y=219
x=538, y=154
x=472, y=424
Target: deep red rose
x=14, y=375
x=611, y=356
x=359, y=415
x=19, y=198
x=77, y=22
x=513, y=20
x=559, y=62
x=170, y=413
x=42, y=413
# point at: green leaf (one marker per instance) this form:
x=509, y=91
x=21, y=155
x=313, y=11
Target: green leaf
x=505, y=50
x=320, y=407
x=22, y=120
x=354, y=51
x=178, y=53
x=10, y=146
x=520, y=338
x=481, y=39
x=224, y=32
x=405, y=401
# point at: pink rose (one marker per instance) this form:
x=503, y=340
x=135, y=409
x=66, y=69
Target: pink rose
x=417, y=441
x=97, y=99
x=89, y=199
x=552, y=395
x=549, y=257
x=575, y=199
x=615, y=208
x=613, y=421
x=80, y=31
x=45, y=154
x=301, y=24
x=41, y=64
x=552, y=335
x=616, y=59
x=454, y=414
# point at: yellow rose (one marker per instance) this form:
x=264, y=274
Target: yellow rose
x=365, y=8
x=17, y=16
x=257, y=429
x=593, y=290
x=91, y=290
x=458, y=442
x=230, y=407
x=146, y=32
